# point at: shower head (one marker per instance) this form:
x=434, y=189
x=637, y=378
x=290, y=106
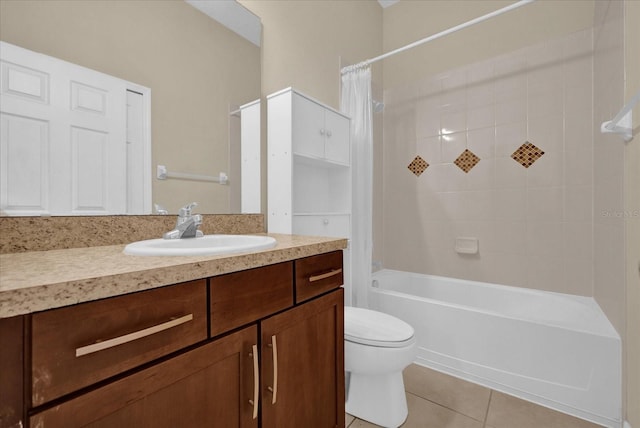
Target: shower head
x=378, y=106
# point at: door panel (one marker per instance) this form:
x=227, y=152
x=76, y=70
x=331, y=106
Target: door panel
x=82, y=154
x=306, y=365
x=24, y=164
x=308, y=127
x=337, y=145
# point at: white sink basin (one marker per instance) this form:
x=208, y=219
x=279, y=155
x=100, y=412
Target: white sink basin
x=204, y=246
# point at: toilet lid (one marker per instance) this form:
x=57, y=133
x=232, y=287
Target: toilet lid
x=375, y=328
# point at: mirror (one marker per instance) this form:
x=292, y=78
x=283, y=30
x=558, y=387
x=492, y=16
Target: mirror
x=198, y=70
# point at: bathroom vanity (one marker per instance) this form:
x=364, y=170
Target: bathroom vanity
x=251, y=340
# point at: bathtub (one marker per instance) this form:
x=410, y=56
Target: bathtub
x=556, y=350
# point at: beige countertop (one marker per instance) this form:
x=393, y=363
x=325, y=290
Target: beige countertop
x=40, y=280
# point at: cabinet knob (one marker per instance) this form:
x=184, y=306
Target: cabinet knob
x=321, y=131
x=325, y=221
x=328, y=133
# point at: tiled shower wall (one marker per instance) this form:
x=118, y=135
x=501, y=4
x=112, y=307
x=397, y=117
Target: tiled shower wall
x=609, y=214
x=502, y=151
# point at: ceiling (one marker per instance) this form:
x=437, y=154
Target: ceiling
x=237, y=18
x=232, y=15
x=387, y=3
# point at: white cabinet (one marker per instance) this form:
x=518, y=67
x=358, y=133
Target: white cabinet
x=318, y=131
x=309, y=169
x=309, y=173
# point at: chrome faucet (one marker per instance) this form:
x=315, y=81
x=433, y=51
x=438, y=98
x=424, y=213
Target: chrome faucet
x=186, y=225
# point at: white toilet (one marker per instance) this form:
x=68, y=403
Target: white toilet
x=377, y=347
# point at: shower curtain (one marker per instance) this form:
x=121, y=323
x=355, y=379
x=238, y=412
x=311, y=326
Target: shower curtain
x=356, y=103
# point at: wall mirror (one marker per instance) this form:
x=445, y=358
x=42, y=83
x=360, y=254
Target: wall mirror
x=198, y=70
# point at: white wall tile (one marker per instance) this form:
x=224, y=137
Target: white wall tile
x=545, y=238
x=548, y=170
x=509, y=138
x=510, y=205
x=578, y=165
x=429, y=149
x=535, y=225
x=509, y=237
x=481, y=117
x=427, y=121
x=453, y=145
x=578, y=203
x=482, y=142
x=482, y=176
x=578, y=241
x=453, y=121
x=481, y=94
x=545, y=204
x=511, y=110
x=509, y=174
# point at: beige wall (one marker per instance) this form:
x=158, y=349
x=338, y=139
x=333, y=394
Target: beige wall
x=169, y=47
x=408, y=21
x=304, y=42
x=632, y=206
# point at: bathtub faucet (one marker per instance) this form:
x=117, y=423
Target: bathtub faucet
x=186, y=225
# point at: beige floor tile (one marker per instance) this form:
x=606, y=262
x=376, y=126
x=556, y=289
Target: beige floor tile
x=425, y=414
x=456, y=394
x=359, y=423
x=506, y=411
x=348, y=419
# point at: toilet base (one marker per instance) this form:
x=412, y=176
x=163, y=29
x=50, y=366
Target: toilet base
x=379, y=399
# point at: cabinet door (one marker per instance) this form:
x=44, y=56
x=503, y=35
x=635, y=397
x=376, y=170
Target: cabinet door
x=11, y=372
x=303, y=365
x=210, y=386
x=337, y=148
x=308, y=127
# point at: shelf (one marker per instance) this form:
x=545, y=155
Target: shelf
x=332, y=213
x=304, y=159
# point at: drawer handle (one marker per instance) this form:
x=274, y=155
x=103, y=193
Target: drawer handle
x=274, y=349
x=256, y=381
x=325, y=275
x=120, y=340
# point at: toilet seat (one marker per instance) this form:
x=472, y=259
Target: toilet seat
x=374, y=328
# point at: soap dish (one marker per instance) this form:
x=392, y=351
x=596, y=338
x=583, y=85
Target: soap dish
x=466, y=245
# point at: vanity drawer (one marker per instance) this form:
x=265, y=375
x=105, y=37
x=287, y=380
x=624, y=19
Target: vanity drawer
x=240, y=298
x=77, y=346
x=318, y=274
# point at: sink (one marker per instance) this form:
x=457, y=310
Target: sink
x=206, y=245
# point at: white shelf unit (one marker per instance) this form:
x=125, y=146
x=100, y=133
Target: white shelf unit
x=309, y=169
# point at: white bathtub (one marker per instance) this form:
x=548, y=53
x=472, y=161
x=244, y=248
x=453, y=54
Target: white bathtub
x=553, y=349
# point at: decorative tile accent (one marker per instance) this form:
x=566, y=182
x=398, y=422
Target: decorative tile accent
x=418, y=165
x=527, y=154
x=467, y=160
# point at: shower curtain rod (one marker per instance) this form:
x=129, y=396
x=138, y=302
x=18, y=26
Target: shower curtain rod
x=436, y=36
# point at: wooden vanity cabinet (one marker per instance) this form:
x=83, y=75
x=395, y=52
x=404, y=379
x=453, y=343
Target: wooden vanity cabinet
x=77, y=346
x=208, y=386
x=12, y=406
x=253, y=355
x=301, y=346
x=303, y=365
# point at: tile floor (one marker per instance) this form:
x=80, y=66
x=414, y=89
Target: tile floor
x=436, y=400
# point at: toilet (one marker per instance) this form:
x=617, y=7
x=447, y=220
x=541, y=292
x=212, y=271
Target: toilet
x=377, y=347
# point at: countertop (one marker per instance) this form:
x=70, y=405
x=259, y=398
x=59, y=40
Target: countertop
x=39, y=280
